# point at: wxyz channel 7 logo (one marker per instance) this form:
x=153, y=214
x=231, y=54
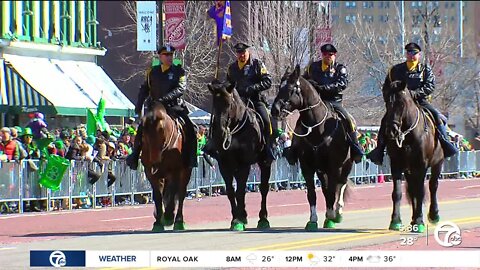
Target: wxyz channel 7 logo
x=57, y=258
x=446, y=234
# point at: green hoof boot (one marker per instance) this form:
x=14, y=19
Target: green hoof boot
x=328, y=224
x=179, y=226
x=243, y=220
x=311, y=226
x=263, y=224
x=434, y=220
x=338, y=218
x=166, y=221
x=420, y=228
x=395, y=226
x=239, y=227
x=158, y=228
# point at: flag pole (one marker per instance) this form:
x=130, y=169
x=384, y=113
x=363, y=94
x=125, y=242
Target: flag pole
x=218, y=58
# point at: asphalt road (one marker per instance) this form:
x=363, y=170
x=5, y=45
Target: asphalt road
x=366, y=219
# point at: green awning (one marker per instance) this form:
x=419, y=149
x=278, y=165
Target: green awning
x=18, y=96
x=63, y=87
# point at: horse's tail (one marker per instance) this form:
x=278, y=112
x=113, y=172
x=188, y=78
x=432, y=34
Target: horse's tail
x=410, y=192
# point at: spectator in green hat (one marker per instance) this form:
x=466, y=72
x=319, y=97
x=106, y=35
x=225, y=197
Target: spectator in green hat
x=30, y=147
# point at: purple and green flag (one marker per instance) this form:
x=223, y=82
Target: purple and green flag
x=222, y=15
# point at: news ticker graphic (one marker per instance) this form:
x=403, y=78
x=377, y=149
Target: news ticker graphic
x=363, y=258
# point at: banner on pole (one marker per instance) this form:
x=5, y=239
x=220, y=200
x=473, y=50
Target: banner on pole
x=146, y=26
x=175, y=24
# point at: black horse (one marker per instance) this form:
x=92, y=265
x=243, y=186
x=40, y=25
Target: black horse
x=320, y=143
x=413, y=147
x=236, y=133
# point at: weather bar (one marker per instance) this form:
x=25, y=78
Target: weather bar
x=282, y=258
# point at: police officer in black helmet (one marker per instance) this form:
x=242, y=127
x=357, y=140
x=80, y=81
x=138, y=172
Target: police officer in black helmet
x=329, y=79
x=421, y=82
x=251, y=78
x=165, y=83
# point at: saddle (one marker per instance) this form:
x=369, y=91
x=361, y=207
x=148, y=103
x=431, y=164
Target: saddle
x=340, y=116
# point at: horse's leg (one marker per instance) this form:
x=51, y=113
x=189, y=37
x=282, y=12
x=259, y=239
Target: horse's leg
x=265, y=170
x=157, y=187
x=396, y=220
x=184, y=177
x=340, y=192
x=308, y=173
x=332, y=179
x=417, y=180
x=241, y=177
x=228, y=178
x=171, y=187
x=340, y=202
x=433, y=216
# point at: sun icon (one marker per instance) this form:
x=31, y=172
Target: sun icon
x=312, y=258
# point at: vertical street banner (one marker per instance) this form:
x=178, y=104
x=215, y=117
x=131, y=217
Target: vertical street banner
x=146, y=25
x=175, y=24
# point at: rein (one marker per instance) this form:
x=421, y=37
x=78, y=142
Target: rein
x=309, y=128
x=401, y=137
x=227, y=141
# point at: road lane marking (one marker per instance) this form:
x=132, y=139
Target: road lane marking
x=128, y=218
x=346, y=238
x=467, y=187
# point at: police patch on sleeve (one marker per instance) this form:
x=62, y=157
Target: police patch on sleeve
x=263, y=69
x=343, y=70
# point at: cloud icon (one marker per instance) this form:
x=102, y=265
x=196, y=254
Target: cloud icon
x=252, y=257
x=374, y=259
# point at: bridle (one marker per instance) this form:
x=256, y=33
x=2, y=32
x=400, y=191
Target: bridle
x=401, y=137
x=309, y=128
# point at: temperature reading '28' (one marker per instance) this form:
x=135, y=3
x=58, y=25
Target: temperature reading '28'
x=408, y=241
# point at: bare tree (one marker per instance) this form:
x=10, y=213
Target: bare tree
x=282, y=33
x=369, y=51
x=198, y=57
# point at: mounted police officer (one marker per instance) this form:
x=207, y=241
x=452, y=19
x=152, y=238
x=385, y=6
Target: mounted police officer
x=420, y=81
x=251, y=78
x=329, y=79
x=165, y=83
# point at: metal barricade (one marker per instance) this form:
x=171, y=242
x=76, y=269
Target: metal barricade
x=31, y=188
x=19, y=181
x=81, y=189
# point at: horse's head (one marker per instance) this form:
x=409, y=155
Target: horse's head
x=156, y=132
x=399, y=103
x=289, y=97
x=225, y=101
x=222, y=95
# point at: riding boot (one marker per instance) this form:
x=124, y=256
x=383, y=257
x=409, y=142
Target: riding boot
x=356, y=149
x=448, y=148
x=132, y=159
x=376, y=155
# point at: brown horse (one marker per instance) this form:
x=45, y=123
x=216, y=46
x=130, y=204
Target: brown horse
x=413, y=147
x=164, y=166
